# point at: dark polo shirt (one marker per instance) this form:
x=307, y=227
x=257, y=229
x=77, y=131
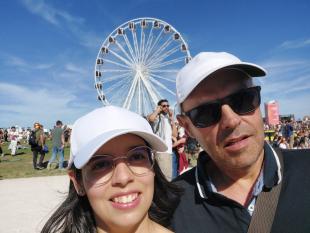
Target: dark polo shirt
x=202, y=210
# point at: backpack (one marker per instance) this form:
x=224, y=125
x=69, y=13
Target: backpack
x=33, y=140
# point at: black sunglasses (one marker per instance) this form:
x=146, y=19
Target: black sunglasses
x=241, y=102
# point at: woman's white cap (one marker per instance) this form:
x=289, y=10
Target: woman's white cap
x=94, y=129
x=206, y=63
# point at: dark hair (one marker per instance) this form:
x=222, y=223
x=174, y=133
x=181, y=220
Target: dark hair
x=76, y=215
x=162, y=101
x=58, y=122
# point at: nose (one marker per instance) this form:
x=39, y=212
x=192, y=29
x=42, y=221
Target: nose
x=229, y=119
x=121, y=175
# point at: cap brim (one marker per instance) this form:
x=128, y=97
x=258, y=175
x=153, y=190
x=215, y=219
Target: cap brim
x=251, y=69
x=85, y=153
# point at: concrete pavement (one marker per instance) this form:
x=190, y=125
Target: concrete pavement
x=26, y=203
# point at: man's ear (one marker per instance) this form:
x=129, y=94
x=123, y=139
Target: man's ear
x=183, y=122
x=78, y=187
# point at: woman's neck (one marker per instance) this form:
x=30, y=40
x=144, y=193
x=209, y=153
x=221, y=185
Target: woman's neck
x=145, y=226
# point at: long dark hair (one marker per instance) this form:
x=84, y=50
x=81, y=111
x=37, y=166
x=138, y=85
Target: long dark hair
x=75, y=214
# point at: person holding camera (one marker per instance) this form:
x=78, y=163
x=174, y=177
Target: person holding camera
x=163, y=125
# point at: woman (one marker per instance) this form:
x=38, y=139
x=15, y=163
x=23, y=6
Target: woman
x=116, y=184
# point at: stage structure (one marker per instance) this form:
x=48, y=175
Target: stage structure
x=137, y=64
x=272, y=112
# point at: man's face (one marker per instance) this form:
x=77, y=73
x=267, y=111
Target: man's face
x=165, y=107
x=236, y=141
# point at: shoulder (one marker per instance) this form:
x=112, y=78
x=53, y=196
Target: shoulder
x=187, y=181
x=296, y=156
x=296, y=162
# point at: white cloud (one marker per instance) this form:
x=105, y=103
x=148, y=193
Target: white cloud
x=49, y=13
x=22, y=64
x=25, y=105
x=288, y=83
x=63, y=19
x=295, y=44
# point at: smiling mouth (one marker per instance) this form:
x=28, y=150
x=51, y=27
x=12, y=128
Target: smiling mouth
x=125, y=199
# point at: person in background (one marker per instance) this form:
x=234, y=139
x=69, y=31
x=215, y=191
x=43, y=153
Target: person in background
x=13, y=136
x=58, y=143
x=163, y=125
x=116, y=184
x=37, y=148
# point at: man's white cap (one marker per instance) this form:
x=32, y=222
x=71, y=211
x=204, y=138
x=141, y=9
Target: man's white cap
x=206, y=63
x=94, y=129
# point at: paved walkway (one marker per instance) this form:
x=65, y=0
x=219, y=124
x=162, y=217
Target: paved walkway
x=26, y=204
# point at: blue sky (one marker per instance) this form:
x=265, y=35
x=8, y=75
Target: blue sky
x=48, y=49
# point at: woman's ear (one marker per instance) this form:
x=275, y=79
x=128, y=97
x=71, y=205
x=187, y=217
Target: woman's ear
x=77, y=185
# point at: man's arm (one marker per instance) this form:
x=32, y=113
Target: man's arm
x=152, y=117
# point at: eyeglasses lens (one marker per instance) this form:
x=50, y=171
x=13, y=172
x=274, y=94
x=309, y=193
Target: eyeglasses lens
x=100, y=168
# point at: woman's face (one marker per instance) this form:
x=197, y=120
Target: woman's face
x=122, y=201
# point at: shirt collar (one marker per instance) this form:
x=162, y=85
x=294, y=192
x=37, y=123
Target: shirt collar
x=271, y=172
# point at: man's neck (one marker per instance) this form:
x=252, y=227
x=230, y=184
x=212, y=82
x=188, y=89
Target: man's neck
x=236, y=184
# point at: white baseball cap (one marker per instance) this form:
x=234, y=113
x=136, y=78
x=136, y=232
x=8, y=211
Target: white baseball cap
x=96, y=128
x=206, y=63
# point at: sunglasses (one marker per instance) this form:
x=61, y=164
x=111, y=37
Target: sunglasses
x=165, y=105
x=241, y=102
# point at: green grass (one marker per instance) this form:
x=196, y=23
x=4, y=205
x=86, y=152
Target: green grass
x=20, y=166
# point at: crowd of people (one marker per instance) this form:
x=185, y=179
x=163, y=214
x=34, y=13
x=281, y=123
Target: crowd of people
x=17, y=138
x=289, y=134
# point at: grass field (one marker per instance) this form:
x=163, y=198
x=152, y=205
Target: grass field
x=20, y=166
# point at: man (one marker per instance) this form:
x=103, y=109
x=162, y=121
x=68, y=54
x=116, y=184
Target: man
x=163, y=125
x=289, y=133
x=220, y=108
x=37, y=146
x=58, y=143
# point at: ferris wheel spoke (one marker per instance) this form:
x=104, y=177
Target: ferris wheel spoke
x=116, y=63
x=163, y=78
x=161, y=85
x=131, y=92
x=152, y=93
x=114, y=86
x=115, y=70
x=165, y=71
x=139, y=96
x=167, y=63
x=129, y=47
x=120, y=57
x=155, y=43
x=148, y=43
x=147, y=100
x=164, y=56
x=160, y=50
x=116, y=77
x=142, y=44
x=135, y=42
x=124, y=51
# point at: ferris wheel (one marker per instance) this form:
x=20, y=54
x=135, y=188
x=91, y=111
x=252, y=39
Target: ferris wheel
x=137, y=64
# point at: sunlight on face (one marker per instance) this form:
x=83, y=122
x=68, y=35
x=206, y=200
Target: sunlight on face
x=124, y=200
